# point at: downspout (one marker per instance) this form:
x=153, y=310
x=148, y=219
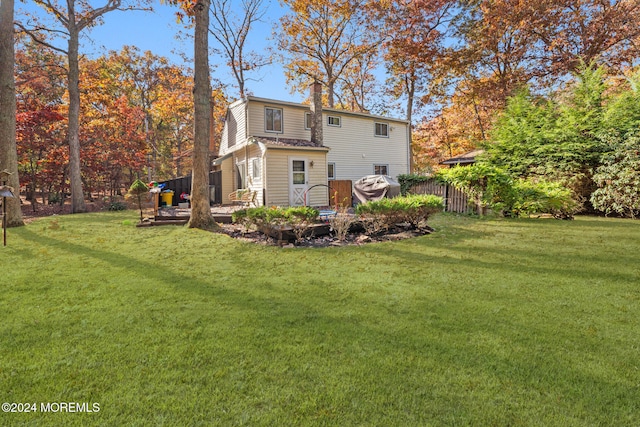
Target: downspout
x=408, y=141
x=246, y=121
x=246, y=140
x=262, y=150
x=246, y=164
x=263, y=172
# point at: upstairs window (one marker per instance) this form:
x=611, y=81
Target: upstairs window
x=307, y=121
x=273, y=119
x=334, y=121
x=382, y=130
x=331, y=170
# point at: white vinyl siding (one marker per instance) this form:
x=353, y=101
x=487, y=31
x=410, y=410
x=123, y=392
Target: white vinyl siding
x=245, y=159
x=233, y=133
x=292, y=119
x=354, y=149
x=277, y=164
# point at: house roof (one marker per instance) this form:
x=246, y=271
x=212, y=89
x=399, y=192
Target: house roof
x=324, y=109
x=463, y=159
x=272, y=142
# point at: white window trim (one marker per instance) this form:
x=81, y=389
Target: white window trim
x=305, y=121
x=378, y=165
x=257, y=160
x=339, y=125
x=331, y=178
x=379, y=135
x=281, y=121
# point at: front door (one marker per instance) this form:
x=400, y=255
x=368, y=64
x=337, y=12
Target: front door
x=298, y=181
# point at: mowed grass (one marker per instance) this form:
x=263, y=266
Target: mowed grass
x=484, y=322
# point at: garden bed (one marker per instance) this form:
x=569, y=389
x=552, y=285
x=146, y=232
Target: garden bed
x=383, y=220
x=323, y=238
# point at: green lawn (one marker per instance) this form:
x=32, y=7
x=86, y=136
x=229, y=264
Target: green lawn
x=485, y=322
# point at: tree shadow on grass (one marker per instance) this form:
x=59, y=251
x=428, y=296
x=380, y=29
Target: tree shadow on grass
x=463, y=249
x=293, y=317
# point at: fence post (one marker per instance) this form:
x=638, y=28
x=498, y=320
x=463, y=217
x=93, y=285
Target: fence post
x=446, y=197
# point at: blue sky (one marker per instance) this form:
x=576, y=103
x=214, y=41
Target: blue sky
x=156, y=31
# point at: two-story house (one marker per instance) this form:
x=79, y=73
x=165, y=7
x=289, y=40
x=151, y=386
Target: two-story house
x=282, y=149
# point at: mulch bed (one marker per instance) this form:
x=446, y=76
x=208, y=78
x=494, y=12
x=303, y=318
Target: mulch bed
x=352, y=239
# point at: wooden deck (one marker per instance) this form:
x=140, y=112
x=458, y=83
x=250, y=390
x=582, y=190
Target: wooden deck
x=177, y=216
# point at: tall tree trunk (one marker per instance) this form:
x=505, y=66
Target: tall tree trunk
x=478, y=118
x=8, y=150
x=330, y=91
x=75, y=177
x=411, y=91
x=200, y=207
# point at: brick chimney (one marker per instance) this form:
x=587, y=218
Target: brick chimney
x=316, y=113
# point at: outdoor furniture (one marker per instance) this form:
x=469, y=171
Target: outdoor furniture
x=327, y=214
x=243, y=197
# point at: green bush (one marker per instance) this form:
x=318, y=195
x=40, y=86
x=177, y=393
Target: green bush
x=54, y=198
x=618, y=179
x=116, y=206
x=407, y=181
x=496, y=189
x=543, y=197
x=490, y=185
x=381, y=215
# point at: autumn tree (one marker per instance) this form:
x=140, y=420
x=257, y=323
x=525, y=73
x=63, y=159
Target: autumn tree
x=163, y=91
x=443, y=134
x=571, y=31
x=358, y=85
x=173, y=128
x=493, y=57
x=321, y=40
x=8, y=150
x=413, y=46
x=112, y=141
x=498, y=46
x=231, y=30
x=41, y=123
x=40, y=141
x=72, y=18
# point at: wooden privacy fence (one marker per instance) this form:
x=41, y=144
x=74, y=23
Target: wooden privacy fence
x=454, y=199
x=342, y=190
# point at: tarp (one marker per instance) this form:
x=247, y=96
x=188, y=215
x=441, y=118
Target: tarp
x=375, y=187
